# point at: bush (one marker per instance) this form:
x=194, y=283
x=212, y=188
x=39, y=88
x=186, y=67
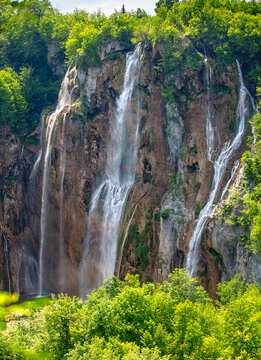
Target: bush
x=165, y=214
x=127, y=320
x=13, y=106
x=197, y=209
x=197, y=185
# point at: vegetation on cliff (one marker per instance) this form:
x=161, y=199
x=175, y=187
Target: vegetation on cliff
x=23, y=55
x=226, y=29
x=124, y=320
x=243, y=206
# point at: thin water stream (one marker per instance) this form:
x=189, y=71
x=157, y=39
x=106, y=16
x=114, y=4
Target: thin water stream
x=7, y=262
x=209, y=127
x=220, y=165
x=61, y=235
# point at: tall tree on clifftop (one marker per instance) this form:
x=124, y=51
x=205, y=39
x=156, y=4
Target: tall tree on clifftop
x=123, y=11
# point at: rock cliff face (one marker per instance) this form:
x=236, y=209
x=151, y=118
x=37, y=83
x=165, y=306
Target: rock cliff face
x=172, y=182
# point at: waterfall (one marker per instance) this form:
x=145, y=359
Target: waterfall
x=109, y=198
x=233, y=171
x=6, y=256
x=125, y=238
x=220, y=165
x=40, y=152
x=61, y=237
x=209, y=127
x=64, y=99
x=256, y=111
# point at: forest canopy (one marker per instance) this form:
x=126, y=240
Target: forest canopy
x=228, y=30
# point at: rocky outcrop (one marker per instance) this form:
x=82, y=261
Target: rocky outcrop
x=173, y=213
x=232, y=255
x=55, y=59
x=223, y=254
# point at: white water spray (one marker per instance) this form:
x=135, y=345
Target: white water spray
x=109, y=199
x=220, y=165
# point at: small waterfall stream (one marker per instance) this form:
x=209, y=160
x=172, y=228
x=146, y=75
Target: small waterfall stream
x=61, y=237
x=109, y=198
x=220, y=165
x=40, y=152
x=125, y=238
x=64, y=99
x=233, y=171
x=7, y=262
x=209, y=127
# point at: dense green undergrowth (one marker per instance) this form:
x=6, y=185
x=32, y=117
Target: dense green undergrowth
x=124, y=320
x=226, y=29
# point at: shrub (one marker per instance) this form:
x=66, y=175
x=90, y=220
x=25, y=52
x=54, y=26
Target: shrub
x=165, y=214
x=197, y=209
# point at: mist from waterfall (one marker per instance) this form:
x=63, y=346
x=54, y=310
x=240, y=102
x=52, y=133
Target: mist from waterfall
x=220, y=165
x=111, y=192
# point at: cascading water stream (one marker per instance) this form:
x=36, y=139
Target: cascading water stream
x=220, y=165
x=18, y=256
x=233, y=171
x=256, y=111
x=61, y=237
x=7, y=263
x=125, y=238
x=109, y=199
x=64, y=99
x=40, y=152
x=209, y=127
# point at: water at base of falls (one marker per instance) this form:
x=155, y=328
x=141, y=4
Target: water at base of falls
x=109, y=199
x=220, y=165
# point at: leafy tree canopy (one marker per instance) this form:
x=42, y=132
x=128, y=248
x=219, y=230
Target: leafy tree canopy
x=228, y=29
x=124, y=320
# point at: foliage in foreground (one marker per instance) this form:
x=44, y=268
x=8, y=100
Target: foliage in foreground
x=124, y=320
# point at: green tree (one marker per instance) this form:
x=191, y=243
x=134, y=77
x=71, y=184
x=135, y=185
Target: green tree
x=165, y=3
x=13, y=106
x=231, y=290
x=240, y=330
x=182, y=287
